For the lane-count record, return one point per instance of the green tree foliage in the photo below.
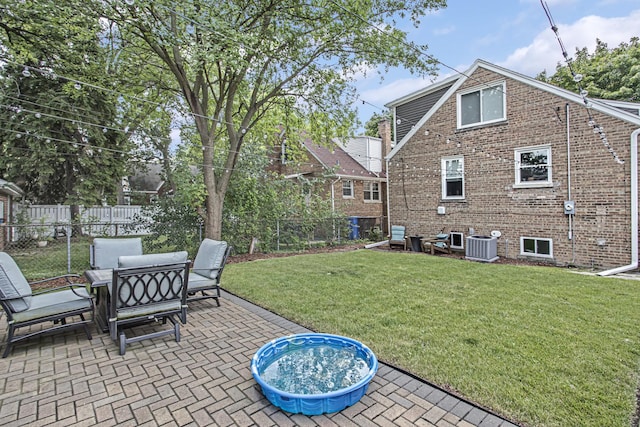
(255, 202)
(233, 62)
(607, 73)
(58, 139)
(371, 126)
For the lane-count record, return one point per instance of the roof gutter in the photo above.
(634, 210)
(11, 188)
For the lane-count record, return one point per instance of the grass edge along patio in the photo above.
(540, 345)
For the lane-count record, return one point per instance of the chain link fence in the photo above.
(54, 249)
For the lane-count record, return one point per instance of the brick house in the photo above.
(10, 193)
(349, 173)
(550, 174)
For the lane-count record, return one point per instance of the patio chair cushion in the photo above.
(209, 258)
(151, 259)
(107, 251)
(148, 310)
(397, 232)
(198, 282)
(54, 303)
(13, 285)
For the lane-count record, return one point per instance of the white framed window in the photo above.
(457, 240)
(533, 166)
(347, 189)
(371, 191)
(480, 106)
(453, 177)
(535, 246)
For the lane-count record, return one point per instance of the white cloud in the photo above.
(545, 52)
(444, 31)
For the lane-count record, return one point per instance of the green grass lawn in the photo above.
(539, 345)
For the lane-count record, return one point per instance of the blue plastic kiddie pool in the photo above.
(314, 373)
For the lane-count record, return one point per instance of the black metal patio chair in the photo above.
(57, 306)
(148, 288)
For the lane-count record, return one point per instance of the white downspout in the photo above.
(634, 210)
(570, 216)
(388, 205)
(333, 196)
(333, 206)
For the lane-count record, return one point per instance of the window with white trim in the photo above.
(457, 240)
(347, 188)
(453, 177)
(533, 166)
(482, 106)
(535, 246)
(371, 191)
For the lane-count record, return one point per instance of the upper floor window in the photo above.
(347, 188)
(481, 106)
(453, 177)
(533, 166)
(371, 191)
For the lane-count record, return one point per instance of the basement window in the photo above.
(534, 246)
(457, 240)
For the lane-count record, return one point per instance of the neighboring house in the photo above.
(143, 186)
(10, 193)
(491, 151)
(351, 175)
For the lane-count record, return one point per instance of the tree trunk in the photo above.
(214, 200)
(76, 224)
(213, 219)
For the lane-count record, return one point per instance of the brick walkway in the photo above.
(66, 380)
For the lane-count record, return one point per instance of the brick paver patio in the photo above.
(66, 380)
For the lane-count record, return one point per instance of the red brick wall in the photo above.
(599, 185)
(356, 206)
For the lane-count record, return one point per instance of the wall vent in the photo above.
(482, 248)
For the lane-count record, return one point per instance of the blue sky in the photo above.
(515, 34)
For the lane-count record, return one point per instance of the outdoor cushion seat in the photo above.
(25, 308)
(104, 252)
(398, 237)
(207, 270)
(144, 288)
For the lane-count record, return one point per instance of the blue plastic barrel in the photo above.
(354, 228)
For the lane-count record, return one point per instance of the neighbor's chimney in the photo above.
(384, 130)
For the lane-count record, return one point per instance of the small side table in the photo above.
(100, 280)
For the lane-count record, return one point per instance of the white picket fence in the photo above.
(96, 220)
(61, 214)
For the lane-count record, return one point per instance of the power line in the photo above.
(597, 129)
